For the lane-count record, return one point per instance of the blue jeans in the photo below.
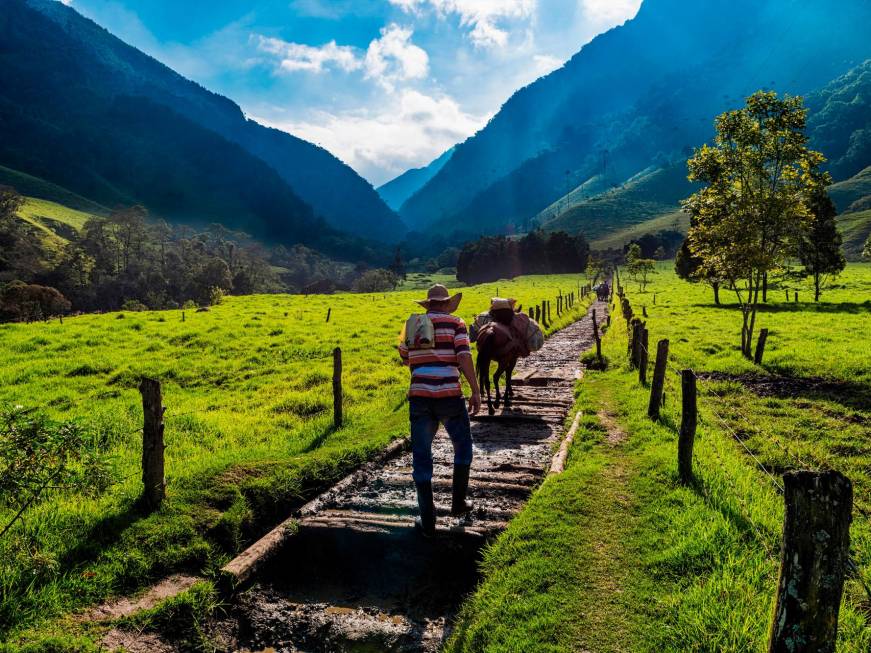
(425, 416)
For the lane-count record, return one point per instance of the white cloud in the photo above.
(389, 59)
(296, 56)
(394, 57)
(409, 131)
(484, 17)
(68, 3)
(610, 11)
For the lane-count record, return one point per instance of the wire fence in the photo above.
(795, 460)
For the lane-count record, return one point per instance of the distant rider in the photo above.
(436, 397)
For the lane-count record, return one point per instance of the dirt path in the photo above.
(356, 576)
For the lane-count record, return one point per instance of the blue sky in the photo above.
(385, 85)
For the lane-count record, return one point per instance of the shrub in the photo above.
(21, 301)
(133, 305)
(38, 457)
(216, 296)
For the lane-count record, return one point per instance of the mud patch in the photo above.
(849, 394)
(126, 606)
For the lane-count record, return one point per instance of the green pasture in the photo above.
(617, 555)
(247, 387)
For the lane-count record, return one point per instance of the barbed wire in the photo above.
(792, 458)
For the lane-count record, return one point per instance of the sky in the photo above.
(385, 85)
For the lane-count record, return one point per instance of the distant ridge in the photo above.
(397, 191)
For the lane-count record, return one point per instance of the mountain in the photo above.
(398, 190)
(639, 96)
(116, 126)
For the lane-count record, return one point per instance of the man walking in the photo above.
(436, 397)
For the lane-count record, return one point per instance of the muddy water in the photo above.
(356, 577)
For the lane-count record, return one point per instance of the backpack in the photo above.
(481, 320)
(418, 333)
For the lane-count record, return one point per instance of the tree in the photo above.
(644, 267)
(819, 246)
(398, 265)
(689, 268)
(759, 178)
(866, 251)
(20, 301)
(376, 281)
(567, 254)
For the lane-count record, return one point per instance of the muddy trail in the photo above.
(355, 576)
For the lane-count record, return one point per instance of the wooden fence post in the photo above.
(644, 310)
(329, 311)
(688, 422)
(760, 346)
(182, 316)
(337, 387)
(598, 339)
(153, 477)
(549, 318)
(658, 384)
(813, 561)
(643, 356)
(796, 296)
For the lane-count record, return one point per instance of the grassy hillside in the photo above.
(652, 194)
(617, 555)
(54, 223)
(40, 189)
(249, 430)
(847, 192)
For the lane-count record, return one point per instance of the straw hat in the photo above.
(500, 304)
(438, 294)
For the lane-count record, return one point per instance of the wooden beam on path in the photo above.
(243, 567)
(558, 465)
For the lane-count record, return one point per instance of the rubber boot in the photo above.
(426, 522)
(459, 505)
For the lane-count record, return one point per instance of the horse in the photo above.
(498, 341)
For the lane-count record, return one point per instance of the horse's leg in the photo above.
(509, 389)
(484, 379)
(496, 377)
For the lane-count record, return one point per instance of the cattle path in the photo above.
(355, 576)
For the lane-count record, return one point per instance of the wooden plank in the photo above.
(243, 567)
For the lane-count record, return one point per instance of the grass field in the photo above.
(247, 386)
(617, 555)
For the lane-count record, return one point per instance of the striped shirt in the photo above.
(434, 372)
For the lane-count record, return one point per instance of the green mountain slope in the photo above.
(853, 192)
(637, 96)
(648, 195)
(193, 156)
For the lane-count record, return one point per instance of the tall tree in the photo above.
(759, 178)
(689, 268)
(819, 246)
